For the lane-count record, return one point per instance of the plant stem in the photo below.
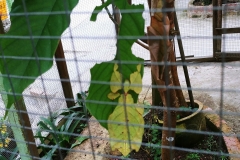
(109, 14)
(117, 21)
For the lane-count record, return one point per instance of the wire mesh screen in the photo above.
(117, 100)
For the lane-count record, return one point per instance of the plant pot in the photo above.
(185, 135)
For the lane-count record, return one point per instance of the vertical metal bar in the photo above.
(214, 24)
(183, 59)
(21, 127)
(64, 76)
(27, 129)
(219, 25)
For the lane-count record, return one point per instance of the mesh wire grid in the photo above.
(86, 43)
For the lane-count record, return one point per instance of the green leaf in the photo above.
(2, 158)
(47, 121)
(9, 4)
(69, 122)
(44, 126)
(43, 138)
(119, 131)
(64, 141)
(79, 141)
(97, 101)
(70, 110)
(50, 154)
(98, 9)
(131, 27)
(74, 125)
(25, 54)
(44, 123)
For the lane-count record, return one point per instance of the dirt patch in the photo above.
(151, 148)
(97, 143)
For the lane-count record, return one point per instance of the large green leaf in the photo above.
(27, 49)
(98, 103)
(132, 25)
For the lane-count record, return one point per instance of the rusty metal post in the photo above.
(179, 39)
(27, 129)
(214, 24)
(22, 131)
(64, 76)
(217, 23)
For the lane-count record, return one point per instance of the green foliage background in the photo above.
(27, 50)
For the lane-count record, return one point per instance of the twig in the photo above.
(109, 14)
(142, 44)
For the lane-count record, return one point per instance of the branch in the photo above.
(142, 44)
(109, 14)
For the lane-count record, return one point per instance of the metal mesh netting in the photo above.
(86, 43)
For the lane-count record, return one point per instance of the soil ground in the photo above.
(208, 143)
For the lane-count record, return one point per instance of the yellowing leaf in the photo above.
(140, 109)
(113, 96)
(128, 100)
(120, 134)
(115, 67)
(136, 82)
(126, 86)
(139, 67)
(116, 80)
